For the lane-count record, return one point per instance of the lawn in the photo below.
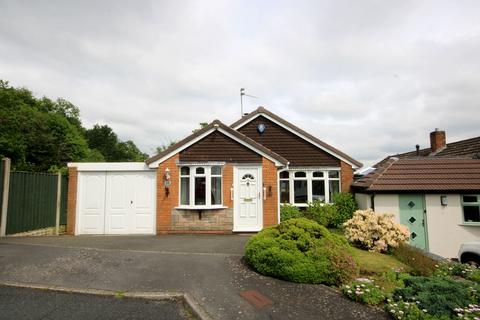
(382, 268)
(372, 263)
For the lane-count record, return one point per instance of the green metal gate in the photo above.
(2, 171)
(32, 201)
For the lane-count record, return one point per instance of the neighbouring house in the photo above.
(220, 179)
(435, 192)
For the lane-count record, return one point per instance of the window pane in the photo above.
(300, 174)
(200, 170)
(284, 192)
(334, 187)
(185, 171)
(333, 174)
(469, 198)
(284, 175)
(216, 170)
(471, 213)
(216, 190)
(200, 191)
(300, 191)
(318, 174)
(185, 191)
(318, 190)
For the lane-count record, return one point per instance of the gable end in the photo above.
(218, 147)
(296, 150)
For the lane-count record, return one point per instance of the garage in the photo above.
(115, 198)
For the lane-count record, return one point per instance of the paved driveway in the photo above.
(208, 267)
(28, 304)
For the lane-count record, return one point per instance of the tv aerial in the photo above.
(242, 93)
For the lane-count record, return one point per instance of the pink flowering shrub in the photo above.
(376, 232)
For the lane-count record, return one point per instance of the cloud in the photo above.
(371, 77)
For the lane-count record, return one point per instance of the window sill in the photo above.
(470, 224)
(201, 207)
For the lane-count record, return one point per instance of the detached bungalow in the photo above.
(221, 179)
(435, 192)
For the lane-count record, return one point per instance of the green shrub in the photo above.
(364, 292)
(455, 269)
(323, 213)
(440, 296)
(416, 259)
(301, 250)
(472, 312)
(402, 310)
(287, 211)
(345, 205)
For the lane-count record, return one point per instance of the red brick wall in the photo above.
(270, 204)
(347, 176)
(72, 200)
(227, 185)
(165, 203)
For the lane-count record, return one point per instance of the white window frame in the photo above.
(284, 179)
(208, 187)
(473, 204)
(309, 172)
(292, 185)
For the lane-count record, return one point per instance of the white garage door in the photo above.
(116, 203)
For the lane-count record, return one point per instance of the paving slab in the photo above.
(209, 268)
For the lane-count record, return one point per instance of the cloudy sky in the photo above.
(369, 77)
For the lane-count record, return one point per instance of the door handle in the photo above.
(131, 201)
(264, 193)
(231, 193)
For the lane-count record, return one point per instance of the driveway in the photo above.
(21, 303)
(207, 267)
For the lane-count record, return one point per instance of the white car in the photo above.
(470, 253)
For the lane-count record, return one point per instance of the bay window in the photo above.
(200, 186)
(333, 183)
(318, 186)
(284, 187)
(299, 187)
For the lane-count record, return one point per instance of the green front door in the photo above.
(412, 215)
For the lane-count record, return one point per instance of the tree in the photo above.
(40, 134)
(128, 151)
(164, 147)
(202, 125)
(33, 134)
(105, 140)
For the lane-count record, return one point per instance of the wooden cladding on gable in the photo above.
(218, 147)
(290, 146)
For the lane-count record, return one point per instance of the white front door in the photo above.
(117, 203)
(248, 215)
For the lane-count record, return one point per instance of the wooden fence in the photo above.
(34, 200)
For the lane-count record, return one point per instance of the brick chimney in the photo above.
(437, 140)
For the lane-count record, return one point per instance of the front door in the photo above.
(248, 214)
(412, 215)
